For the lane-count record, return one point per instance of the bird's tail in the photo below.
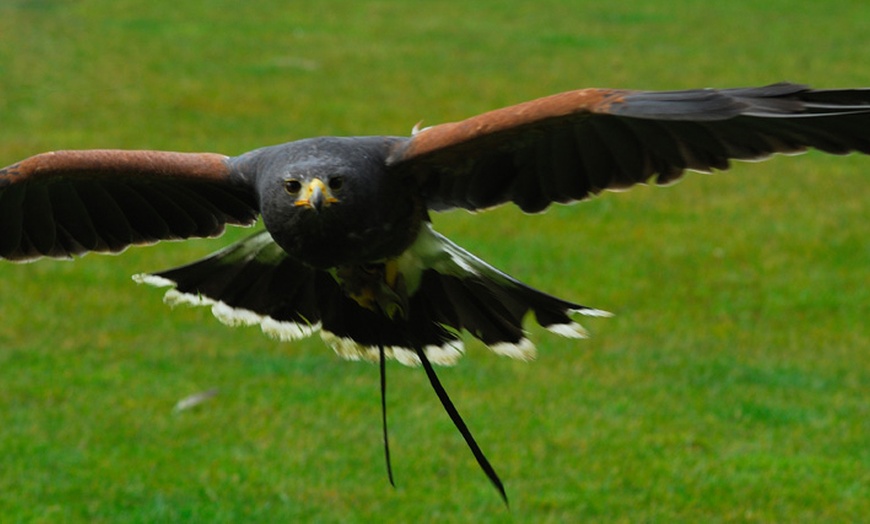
(459, 290)
(448, 290)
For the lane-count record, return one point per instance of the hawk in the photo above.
(348, 248)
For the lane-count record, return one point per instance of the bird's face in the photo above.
(312, 192)
(331, 202)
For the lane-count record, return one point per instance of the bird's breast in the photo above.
(327, 240)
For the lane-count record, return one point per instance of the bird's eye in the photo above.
(335, 183)
(292, 186)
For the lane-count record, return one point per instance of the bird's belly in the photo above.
(349, 246)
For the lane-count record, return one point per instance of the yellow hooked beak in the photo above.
(315, 195)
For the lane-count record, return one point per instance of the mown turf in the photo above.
(732, 386)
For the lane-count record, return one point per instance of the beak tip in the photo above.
(316, 199)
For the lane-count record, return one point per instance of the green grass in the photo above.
(732, 386)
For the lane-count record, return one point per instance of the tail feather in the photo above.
(250, 282)
(486, 302)
(254, 282)
(481, 312)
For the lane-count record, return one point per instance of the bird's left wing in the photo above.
(67, 203)
(573, 145)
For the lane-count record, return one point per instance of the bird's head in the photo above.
(331, 201)
(306, 180)
(313, 192)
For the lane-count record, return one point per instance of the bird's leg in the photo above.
(377, 287)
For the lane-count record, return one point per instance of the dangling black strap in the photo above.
(460, 424)
(383, 368)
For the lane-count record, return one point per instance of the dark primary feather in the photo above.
(572, 145)
(560, 148)
(71, 202)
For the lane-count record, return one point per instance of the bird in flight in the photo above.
(348, 248)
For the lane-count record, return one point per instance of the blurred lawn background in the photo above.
(732, 386)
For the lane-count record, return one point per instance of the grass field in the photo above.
(733, 384)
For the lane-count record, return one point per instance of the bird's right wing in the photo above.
(67, 203)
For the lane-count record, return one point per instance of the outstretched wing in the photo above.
(572, 145)
(67, 203)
